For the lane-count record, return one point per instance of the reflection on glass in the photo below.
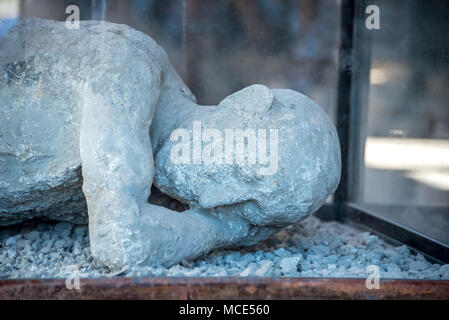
(406, 175)
(9, 9)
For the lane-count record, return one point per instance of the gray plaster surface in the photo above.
(76, 115)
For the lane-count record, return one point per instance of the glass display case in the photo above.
(393, 119)
(379, 69)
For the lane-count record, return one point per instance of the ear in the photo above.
(255, 99)
(215, 195)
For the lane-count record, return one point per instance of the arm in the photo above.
(117, 166)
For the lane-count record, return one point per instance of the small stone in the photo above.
(318, 250)
(63, 228)
(391, 268)
(249, 271)
(323, 238)
(186, 264)
(289, 266)
(246, 272)
(230, 258)
(332, 259)
(192, 273)
(444, 271)
(420, 257)
(32, 236)
(218, 260)
(265, 268)
(372, 240)
(80, 231)
(36, 246)
(304, 244)
(245, 260)
(444, 268)
(221, 272)
(403, 251)
(269, 256)
(76, 248)
(418, 265)
(346, 249)
(346, 260)
(11, 242)
(158, 272)
(22, 244)
(46, 236)
(68, 261)
(63, 243)
(11, 254)
(303, 266)
(365, 236)
(313, 258)
(281, 252)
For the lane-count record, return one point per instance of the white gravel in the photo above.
(308, 249)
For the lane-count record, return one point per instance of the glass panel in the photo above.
(406, 176)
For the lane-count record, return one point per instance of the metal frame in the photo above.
(224, 288)
(353, 84)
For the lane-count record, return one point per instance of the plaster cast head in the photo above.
(288, 166)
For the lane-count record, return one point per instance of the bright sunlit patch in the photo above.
(406, 154)
(377, 76)
(434, 179)
(9, 9)
(425, 160)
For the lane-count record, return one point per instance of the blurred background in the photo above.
(219, 47)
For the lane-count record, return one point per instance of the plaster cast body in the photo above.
(83, 100)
